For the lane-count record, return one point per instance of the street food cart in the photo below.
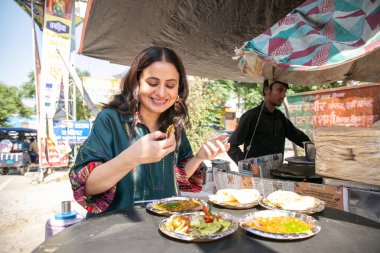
(137, 229)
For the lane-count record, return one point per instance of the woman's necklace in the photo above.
(154, 186)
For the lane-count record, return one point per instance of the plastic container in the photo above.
(59, 221)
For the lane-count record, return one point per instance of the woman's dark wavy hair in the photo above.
(127, 101)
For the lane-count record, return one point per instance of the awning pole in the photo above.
(286, 106)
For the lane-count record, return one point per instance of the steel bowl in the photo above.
(309, 150)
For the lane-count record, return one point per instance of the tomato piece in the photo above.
(204, 209)
(208, 218)
(187, 225)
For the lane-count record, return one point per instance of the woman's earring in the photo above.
(177, 98)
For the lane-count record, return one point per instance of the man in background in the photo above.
(263, 129)
(33, 151)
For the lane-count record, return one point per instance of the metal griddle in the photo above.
(297, 169)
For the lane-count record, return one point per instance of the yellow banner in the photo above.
(38, 11)
(56, 41)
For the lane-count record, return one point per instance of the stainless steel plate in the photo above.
(275, 213)
(151, 208)
(265, 203)
(204, 238)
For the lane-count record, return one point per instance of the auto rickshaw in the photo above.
(14, 144)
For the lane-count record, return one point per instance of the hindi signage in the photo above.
(56, 41)
(354, 106)
(73, 132)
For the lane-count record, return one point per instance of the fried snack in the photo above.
(226, 144)
(169, 130)
(178, 205)
(246, 196)
(289, 200)
(235, 197)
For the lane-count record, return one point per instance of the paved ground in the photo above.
(26, 205)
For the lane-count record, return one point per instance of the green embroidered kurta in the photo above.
(110, 135)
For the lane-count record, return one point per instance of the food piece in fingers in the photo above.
(169, 130)
(226, 144)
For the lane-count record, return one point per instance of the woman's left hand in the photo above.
(210, 149)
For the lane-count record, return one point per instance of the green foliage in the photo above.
(206, 99)
(82, 111)
(10, 103)
(298, 89)
(82, 73)
(28, 88)
(249, 94)
(217, 93)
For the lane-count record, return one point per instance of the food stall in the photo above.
(329, 227)
(321, 52)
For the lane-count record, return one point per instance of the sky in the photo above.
(16, 52)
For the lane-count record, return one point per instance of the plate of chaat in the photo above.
(169, 206)
(199, 226)
(281, 225)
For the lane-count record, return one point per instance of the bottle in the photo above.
(59, 221)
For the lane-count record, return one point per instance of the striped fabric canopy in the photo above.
(319, 42)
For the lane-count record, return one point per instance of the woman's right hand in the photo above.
(151, 148)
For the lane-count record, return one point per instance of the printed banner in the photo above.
(55, 46)
(354, 106)
(73, 132)
(38, 10)
(80, 10)
(101, 90)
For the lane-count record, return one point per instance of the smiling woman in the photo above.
(158, 91)
(129, 157)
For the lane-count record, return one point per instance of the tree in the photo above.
(10, 103)
(199, 115)
(217, 93)
(27, 91)
(82, 111)
(206, 99)
(248, 94)
(298, 89)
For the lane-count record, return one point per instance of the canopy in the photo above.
(204, 33)
(319, 42)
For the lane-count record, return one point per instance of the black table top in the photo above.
(136, 230)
